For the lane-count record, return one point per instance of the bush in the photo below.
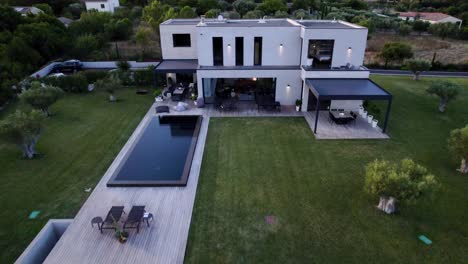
(144, 77)
(76, 83)
(93, 76)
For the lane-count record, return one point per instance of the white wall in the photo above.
(109, 5)
(169, 52)
(272, 37)
(356, 38)
(283, 78)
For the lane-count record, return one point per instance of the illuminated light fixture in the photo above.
(254, 78)
(281, 45)
(288, 86)
(229, 45)
(349, 48)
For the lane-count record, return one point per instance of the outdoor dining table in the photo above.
(341, 117)
(178, 93)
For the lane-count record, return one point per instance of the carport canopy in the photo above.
(348, 89)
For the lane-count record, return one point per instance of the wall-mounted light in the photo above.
(288, 86)
(254, 78)
(281, 45)
(229, 45)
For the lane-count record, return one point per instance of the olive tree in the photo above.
(458, 145)
(445, 90)
(417, 67)
(111, 85)
(397, 183)
(395, 52)
(24, 129)
(41, 96)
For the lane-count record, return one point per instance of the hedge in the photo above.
(76, 83)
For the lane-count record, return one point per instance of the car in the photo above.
(69, 66)
(59, 74)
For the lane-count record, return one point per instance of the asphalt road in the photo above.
(428, 73)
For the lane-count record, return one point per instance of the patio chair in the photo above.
(341, 110)
(114, 215)
(135, 216)
(354, 115)
(333, 110)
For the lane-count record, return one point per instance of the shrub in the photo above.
(458, 146)
(404, 182)
(144, 77)
(76, 83)
(93, 76)
(41, 97)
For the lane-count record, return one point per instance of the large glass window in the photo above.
(181, 40)
(218, 51)
(321, 52)
(258, 51)
(239, 51)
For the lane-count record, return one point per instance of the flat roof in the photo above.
(347, 89)
(279, 22)
(167, 66)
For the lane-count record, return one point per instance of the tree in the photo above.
(303, 4)
(142, 37)
(9, 18)
(420, 26)
(204, 5)
(269, 7)
(416, 67)
(187, 12)
(244, 6)
(155, 13)
(444, 30)
(123, 66)
(397, 183)
(445, 90)
(254, 14)
(404, 29)
(41, 96)
(120, 29)
(85, 45)
(110, 85)
(395, 52)
(212, 13)
(281, 14)
(45, 7)
(458, 146)
(24, 129)
(357, 4)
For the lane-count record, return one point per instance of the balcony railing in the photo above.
(342, 68)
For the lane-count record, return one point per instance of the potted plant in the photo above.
(157, 95)
(119, 233)
(298, 105)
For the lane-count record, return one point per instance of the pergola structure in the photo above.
(176, 66)
(348, 89)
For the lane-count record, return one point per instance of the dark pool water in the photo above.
(161, 154)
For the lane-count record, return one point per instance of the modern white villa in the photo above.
(316, 61)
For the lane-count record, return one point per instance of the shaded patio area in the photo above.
(360, 129)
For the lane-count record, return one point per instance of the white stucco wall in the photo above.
(356, 38)
(272, 38)
(169, 52)
(109, 5)
(283, 77)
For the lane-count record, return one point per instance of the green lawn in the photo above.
(78, 144)
(254, 167)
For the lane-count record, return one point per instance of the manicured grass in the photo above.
(255, 167)
(78, 144)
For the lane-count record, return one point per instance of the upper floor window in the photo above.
(102, 6)
(218, 51)
(258, 51)
(321, 52)
(181, 40)
(239, 51)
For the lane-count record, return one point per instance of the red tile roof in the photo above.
(425, 15)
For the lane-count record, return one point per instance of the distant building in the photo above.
(430, 17)
(102, 5)
(27, 10)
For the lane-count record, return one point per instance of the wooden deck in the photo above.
(163, 242)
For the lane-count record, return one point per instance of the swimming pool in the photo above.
(162, 154)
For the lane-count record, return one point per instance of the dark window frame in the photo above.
(217, 50)
(239, 51)
(258, 53)
(103, 6)
(178, 40)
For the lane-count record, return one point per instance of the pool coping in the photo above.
(167, 183)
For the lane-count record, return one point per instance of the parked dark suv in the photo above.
(69, 66)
